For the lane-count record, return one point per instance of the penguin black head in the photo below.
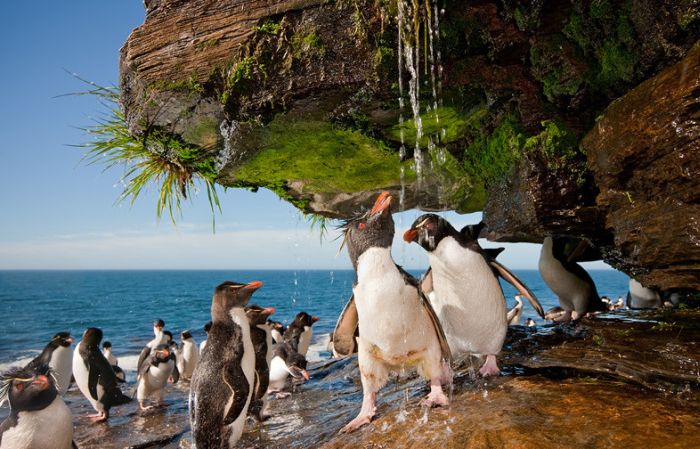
(62, 339)
(229, 295)
(107, 345)
(374, 228)
(276, 325)
(159, 324)
(258, 315)
(207, 326)
(296, 363)
(162, 353)
(92, 336)
(28, 389)
(428, 230)
(185, 335)
(304, 319)
(168, 336)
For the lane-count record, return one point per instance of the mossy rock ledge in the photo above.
(571, 118)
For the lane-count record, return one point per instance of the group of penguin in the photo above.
(393, 321)
(40, 419)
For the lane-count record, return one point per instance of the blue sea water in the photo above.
(34, 305)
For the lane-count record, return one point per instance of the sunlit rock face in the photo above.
(302, 97)
(645, 155)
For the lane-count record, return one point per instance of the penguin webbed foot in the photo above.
(369, 408)
(98, 417)
(282, 394)
(490, 367)
(436, 397)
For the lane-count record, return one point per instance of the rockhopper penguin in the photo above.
(285, 361)
(223, 382)
(58, 355)
(95, 376)
(188, 355)
(153, 375)
(261, 336)
(39, 419)
(299, 333)
(466, 295)
(398, 328)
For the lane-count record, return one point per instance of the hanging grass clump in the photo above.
(158, 158)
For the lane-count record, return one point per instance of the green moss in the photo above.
(490, 157)
(616, 64)
(269, 27)
(207, 44)
(458, 186)
(577, 32)
(449, 119)
(242, 70)
(381, 54)
(556, 143)
(326, 158)
(189, 84)
(555, 68)
(600, 9)
(204, 134)
(307, 44)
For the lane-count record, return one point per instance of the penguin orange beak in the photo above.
(42, 381)
(305, 374)
(268, 311)
(254, 285)
(382, 203)
(314, 319)
(410, 235)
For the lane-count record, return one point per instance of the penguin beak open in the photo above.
(381, 204)
(410, 235)
(41, 381)
(254, 285)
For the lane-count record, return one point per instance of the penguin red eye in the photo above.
(430, 226)
(20, 387)
(361, 226)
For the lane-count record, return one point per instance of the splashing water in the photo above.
(227, 130)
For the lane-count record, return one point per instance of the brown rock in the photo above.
(645, 156)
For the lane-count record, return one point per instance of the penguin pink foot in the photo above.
(98, 417)
(365, 416)
(490, 367)
(436, 397)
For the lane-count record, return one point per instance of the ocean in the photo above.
(34, 305)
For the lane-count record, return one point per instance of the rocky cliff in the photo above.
(572, 118)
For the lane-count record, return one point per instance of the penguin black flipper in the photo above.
(512, 279)
(234, 375)
(73, 445)
(437, 326)
(9, 422)
(492, 253)
(143, 357)
(93, 378)
(176, 373)
(346, 329)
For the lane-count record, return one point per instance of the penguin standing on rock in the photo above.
(154, 374)
(39, 419)
(107, 352)
(188, 355)
(568, 280)
(159, 337)
(397, 326)
(299, 333)
(514, 314)
(223, 382)
(95, 376)
(203, 344)
(466, 294)
(285, 361)
(278, 331)
(260, 335)
(58, 355)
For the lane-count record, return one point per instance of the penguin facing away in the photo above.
(203, 344)
(278, 331)
(107, 352)
(397, 326)
(39, 419)
(466, 295)
(154, 374)
(641, 297)
(260, 335)
(299, 333)
(222, 385)
(188, 355)
(58, 355)
(568, 280)
(95, 377)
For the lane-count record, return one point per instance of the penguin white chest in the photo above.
(51, 427)
(572, 291)
(190, 357)
(62, 365)
(389, 310)
(467, 299)
(81, 374)
(248, 366)
(278, 373)
(305, 340)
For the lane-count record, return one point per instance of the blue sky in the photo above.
(58, 213)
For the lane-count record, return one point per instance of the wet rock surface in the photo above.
(623, 379)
